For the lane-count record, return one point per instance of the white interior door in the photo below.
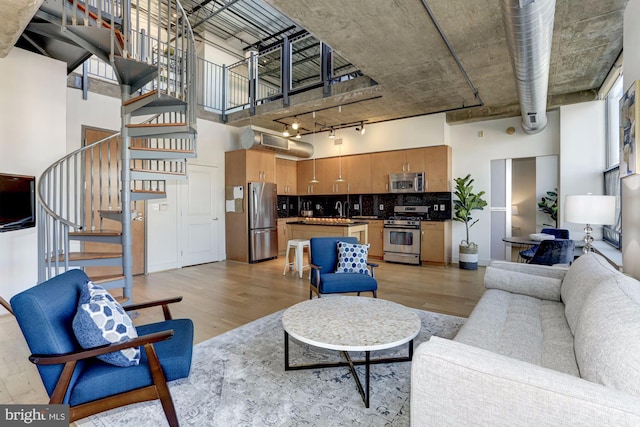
(202, 234)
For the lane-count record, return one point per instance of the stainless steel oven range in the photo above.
(402, 234)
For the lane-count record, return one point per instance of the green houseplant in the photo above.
(466, 202)
(549, 205)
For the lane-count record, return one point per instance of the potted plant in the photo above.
(466, 202)
(549, 205)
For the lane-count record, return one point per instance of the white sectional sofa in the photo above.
(543, 346)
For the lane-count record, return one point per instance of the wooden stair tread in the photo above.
(83, 256)
(106, 278)
(149, 191)
(157, 171)
(81, 7)
(138, 98)
(96, 233)
(152, 125)
(163, 150)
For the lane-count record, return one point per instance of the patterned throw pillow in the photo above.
(352, 258)
(101, 320)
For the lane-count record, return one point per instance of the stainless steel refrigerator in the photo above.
(263, 213)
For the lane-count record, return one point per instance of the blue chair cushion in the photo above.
(346, 282)
(352, 258)
(101, 320)
(324, 253)
(528, 253)
(98, 379)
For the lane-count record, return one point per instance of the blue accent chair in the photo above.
(74, 376)
(324, 279)
(559, 233)
(558, 251)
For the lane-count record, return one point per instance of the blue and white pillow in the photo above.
(352, 258)
(101, 320)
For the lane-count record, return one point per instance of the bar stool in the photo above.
(298, 245)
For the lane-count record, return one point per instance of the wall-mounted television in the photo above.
(17, 202)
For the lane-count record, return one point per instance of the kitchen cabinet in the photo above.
(376, 238)
(334, 168)
(305, 173)
(410, 160)
(438, 168)
(286, 177)
(242, 167)
(283, 234)
(435, 242)
(379, 172)
(360, 173)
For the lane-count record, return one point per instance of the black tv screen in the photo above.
(17, 202)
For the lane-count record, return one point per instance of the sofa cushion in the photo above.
(584, 274)
(347, 282)
(522, 327)
(607, 335)
(520, 283)
(101, 320)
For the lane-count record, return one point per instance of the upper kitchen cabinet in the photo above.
(411, 160)
(286, 177)
(438, 168)
(261, 166)
(336, 175)
(379, 172)
(360, 172)
(307, 171)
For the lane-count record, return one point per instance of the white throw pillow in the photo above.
(352, 258)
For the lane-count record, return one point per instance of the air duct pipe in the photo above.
(529, 28)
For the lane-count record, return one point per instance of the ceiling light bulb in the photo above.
(362, 129)
(298, 136)
(285, 132)
(332, 134)
(295, 125)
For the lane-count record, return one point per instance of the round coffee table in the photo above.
(349, 323)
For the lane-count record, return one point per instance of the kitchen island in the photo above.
(326, 227)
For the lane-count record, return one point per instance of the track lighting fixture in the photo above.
(296, 124)
(332, 133)
(298, 136)
(361, 128)
(285, 132)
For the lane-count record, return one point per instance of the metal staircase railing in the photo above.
(105, 180)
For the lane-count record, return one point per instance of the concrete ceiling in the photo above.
(396, 44)
(15, 15)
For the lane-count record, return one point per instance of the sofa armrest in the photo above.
(556, 272)
(453, 383)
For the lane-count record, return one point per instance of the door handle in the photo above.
(215, 219)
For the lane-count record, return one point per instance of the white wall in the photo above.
(582, 157)
(32, 136)
(631, 184)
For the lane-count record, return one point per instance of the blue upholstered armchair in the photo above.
(74, 376)
(559, 233)
(324, 266)
(558, 251)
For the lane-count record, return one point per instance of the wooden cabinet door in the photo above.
(435, 242)
(375, 238)
(415, 160)
(360, 172)
(305, 173)
(397, 161)
(379, 172)
(261, 166)
(286, 179)
(334, 168)
(282, 236)
(438, 168)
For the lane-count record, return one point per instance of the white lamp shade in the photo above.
(590, 209)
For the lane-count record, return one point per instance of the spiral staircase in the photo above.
(90, 197)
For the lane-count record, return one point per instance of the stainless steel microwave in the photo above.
(408, 182)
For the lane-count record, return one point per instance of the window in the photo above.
(613, 123)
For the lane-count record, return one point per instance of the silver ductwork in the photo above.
(255, 138)
(529, 28)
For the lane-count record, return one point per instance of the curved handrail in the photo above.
(40, 193)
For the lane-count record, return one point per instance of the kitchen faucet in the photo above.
(339, 207)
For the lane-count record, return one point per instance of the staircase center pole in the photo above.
(127, 257)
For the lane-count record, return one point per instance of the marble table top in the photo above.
(349, 323)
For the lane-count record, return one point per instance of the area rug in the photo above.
(238, 379)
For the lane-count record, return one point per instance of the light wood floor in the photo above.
(221, 296)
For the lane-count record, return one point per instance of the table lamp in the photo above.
(590, 209)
